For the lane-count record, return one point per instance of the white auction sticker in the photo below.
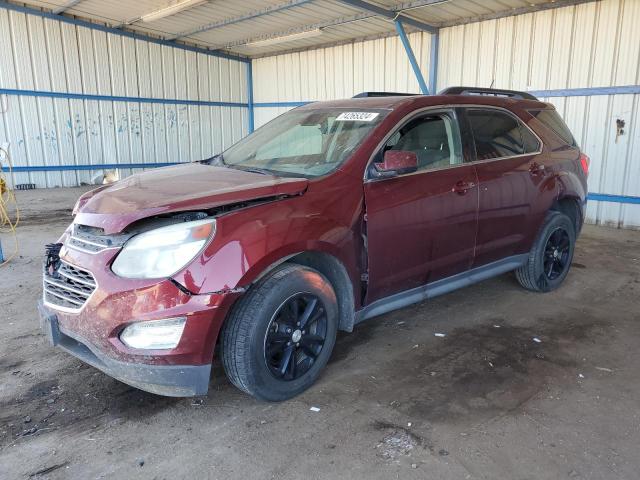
(357, 117)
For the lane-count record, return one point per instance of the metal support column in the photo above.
(412, 58)
(433, 62)
(250, 96)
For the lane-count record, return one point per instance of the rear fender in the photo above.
(572, 186)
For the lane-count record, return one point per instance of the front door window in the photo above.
(433, 138)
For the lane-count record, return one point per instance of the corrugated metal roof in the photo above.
(233, 26)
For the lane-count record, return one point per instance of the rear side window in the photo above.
(498, 134)
(554, 121)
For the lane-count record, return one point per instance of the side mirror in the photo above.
(396, 162)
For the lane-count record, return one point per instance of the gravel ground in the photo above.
(486, 401)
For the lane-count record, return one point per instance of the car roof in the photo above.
(419, 101)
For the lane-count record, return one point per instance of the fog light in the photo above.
(154, 334)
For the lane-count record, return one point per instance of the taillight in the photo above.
(584, 163)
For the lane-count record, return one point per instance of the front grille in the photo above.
(69, 287)
(93, 240)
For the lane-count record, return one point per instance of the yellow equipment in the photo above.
(9, 213)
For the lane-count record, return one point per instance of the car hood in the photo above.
(194, 186)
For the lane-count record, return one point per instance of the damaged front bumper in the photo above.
(168, 380)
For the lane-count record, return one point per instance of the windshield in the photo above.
(308, 143)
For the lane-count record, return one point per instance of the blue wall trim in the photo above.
(412, 58)
(598, 197)
(588, 92)
(280, 104)
(100, 166)
(603, 197)
(112, 98)
(572, 92)
(116, 31)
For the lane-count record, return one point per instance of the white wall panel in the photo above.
(594, 44)
(589, 45)
(51, 56)
(338, 72)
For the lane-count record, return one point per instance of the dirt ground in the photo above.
(487, 401)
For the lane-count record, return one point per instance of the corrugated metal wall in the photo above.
(589, 45)
(42, 55)
(337, 72)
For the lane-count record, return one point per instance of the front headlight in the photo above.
(154, 334)
(162, 252)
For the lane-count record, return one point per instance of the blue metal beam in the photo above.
(433, 62)
(412, 58)
(383, 12)
(66, 6)
(115, 31)
(112, 98)
(250, 96)
(587, 92)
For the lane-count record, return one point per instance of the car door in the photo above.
(511, 178)
(421, 226)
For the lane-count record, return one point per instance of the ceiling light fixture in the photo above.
(170, 10)
(285, 38)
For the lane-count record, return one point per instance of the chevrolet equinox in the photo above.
(330, 214)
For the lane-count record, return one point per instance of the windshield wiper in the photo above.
(262, 171)
(216, 161)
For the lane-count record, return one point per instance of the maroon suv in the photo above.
(330, 214)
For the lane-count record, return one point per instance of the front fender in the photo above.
(248, 242)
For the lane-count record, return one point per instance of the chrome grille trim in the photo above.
(92, 240)
(69, 288)
(70, 277)
(63, 297)
(89, 242)
(65, 287)
(77, 274)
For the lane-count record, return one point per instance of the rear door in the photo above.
(511, 175)
(421, 226)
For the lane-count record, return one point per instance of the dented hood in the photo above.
(193, 186)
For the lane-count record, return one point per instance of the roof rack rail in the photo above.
(383, 94)
(491, 92)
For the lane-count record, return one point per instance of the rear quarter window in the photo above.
(498, 134)
(553, 121)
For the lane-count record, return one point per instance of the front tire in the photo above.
(551, 256)
(280, 335)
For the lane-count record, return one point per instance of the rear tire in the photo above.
(551, 255)
(280, 335)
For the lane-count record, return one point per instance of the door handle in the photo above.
(462, 187)
(536, 169)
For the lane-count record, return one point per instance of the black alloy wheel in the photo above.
(295, 336)
(549, 259)
(556, 253)
(279, 336)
